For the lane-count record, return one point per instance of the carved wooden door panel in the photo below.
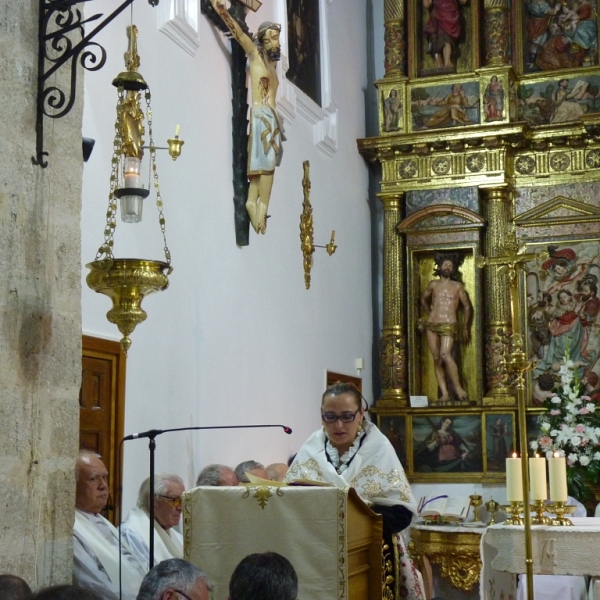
(101, 404)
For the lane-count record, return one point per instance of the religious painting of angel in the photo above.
(559, 34)
(499, 438)
(562, 315)
(447, 443)
(444, 106)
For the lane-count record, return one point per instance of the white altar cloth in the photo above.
(555, 551)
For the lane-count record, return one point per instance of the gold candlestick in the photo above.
(514, 510)
(476, 502)
(539, 507)
(560, 509)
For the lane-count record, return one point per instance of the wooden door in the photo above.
(102, 404)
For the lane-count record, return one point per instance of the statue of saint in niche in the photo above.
(441, 301)
(266, 133)
(442, 30)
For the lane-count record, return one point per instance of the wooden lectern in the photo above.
(329, 534)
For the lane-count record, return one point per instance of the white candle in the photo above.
(132, 180)
(537, 478)
(177, 131)
(514, 479)
(557, 468)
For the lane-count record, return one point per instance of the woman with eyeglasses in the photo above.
(168, 507)
(351, 452)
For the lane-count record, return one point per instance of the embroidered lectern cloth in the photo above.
(307, 525)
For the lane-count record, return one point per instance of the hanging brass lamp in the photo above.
(127, 281)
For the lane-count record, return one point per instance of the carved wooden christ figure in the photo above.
(266, 133)
(441, 301)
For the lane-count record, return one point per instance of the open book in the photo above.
(447, 507)
(254, 480)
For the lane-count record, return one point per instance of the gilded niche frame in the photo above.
(477, 442)
(422, 381)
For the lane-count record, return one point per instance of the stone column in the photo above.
(497, 207)
(395, 42)
(393, 369)
(40, 304)
(497, 32)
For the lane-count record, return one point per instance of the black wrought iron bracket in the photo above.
(58, 19)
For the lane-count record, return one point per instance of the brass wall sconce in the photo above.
(307, 229)
(127, 281)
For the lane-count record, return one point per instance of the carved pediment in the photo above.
(559, 211)
(441, 217)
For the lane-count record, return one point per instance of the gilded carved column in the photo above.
(393, 370)
(497, 33)
(395, 42)
(497, 293)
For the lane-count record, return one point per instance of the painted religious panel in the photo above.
(499, 440)
(443, 106)
(392, 109)
(394, 428)
(559, 100)
(445, 37)
(563, 315)
(304, 47)
(559, 34)
(447, 443)
(464, 197)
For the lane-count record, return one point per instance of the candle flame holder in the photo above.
(514, 509)
(560, 509)
(539, 507)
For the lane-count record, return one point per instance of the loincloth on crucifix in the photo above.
(265, 148)
(444, 329)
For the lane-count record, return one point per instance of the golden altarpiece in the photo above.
(489, 141)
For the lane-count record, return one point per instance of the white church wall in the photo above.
(236, 339)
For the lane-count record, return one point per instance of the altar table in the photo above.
(555, 551)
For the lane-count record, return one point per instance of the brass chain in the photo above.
(159, 201)
(111, 214)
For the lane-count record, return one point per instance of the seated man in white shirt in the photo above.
(96, 547)
(168, 543)
(175, 579)
(557, 587)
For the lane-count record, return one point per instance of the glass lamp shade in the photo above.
(132, 203)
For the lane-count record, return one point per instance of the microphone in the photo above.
(144, 434)
(152, 433)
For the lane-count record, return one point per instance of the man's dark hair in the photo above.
(13, 587)
(174, 573)
(65, 592)
(456, 260)
(267, 576)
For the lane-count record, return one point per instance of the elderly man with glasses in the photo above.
(101, 563)
(135, 530)
(175, 579)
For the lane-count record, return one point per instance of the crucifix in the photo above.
(257, 153)
(510, 263)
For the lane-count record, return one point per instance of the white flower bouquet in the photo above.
(571, 428)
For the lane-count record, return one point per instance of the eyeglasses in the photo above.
(179, 591)
(174, 502)
(346, 417)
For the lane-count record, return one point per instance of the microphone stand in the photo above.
(151, 434)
